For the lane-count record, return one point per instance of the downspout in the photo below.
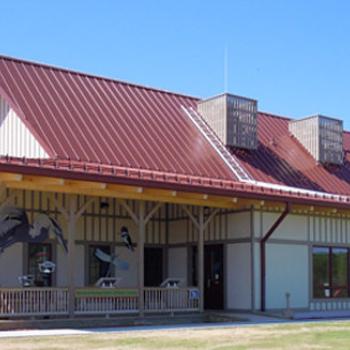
(263, 241)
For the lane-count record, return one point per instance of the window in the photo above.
(38, 253)
(330, 272)
(97, 268)
(339, 269)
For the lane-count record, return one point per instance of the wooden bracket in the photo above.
(129, 210)
(196, 222)
(152, 212)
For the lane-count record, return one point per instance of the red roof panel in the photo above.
(82, 117)
(281, 159)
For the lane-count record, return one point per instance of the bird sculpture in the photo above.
(124, 232)
(15, 227)
(112, 260)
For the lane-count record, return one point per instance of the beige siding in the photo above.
(177, 263)
(238, 276)
(62, 266)
(294, 227)
(16, 139)
(11, 266)
(287, 272)
(239, 225)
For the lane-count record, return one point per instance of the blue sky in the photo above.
(293, 55)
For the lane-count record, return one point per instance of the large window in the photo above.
(330, 272)
(37, 254)
(97, 267)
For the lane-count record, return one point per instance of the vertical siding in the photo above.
(15, 138)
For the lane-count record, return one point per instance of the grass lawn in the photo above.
(330, 335)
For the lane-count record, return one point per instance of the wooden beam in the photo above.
(141, 256)
(2, 192)
(71, 257)
(129, 211)
(86, 185)
(81, 210)
(89, 188)
(200, 249)
(211, 216)
(152, 212)
(147, 195)
(191, 216)
(4, 177)
(44, 180)
(63, 211)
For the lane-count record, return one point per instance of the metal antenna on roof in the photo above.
(226, 69)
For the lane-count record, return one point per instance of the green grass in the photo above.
(325, 335)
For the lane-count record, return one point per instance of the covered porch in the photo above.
(91, 215)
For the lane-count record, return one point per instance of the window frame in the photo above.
(330, 272)
(52, 278)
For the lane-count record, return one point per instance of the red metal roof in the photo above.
(79, 170)
(281, 159)
(87, 118)
(105, 130)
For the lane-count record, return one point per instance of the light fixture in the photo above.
(104, 205)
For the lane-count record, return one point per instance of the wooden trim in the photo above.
(152, 212)
(191, 216)
(141, 253)
(129, 210)
(252, 260)
(201, 258)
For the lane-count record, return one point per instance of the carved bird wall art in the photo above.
(15, 227)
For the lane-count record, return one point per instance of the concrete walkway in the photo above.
(253, 320)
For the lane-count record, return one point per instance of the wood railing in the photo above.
(171, 299)
(15, 302)
(33, 301)
(106, 301)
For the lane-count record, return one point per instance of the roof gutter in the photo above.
(263, 241)
(242, 190)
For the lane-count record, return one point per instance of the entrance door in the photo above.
(153, 267)
(214, 277)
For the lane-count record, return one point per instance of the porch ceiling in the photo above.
(101, 189)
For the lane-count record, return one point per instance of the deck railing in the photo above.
(106, 301)
(16, 302)
(171, 299)
(33, 301)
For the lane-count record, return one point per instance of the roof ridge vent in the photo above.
(321, 136)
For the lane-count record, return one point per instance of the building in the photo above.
(248, 210)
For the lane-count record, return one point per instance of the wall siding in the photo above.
(238, 276)
(16, 140)
(286, 258)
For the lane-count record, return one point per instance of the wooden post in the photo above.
(71, 257)
(141, 221)
(201, 226)
(71, 216)
(201, 258)
(141, 246)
